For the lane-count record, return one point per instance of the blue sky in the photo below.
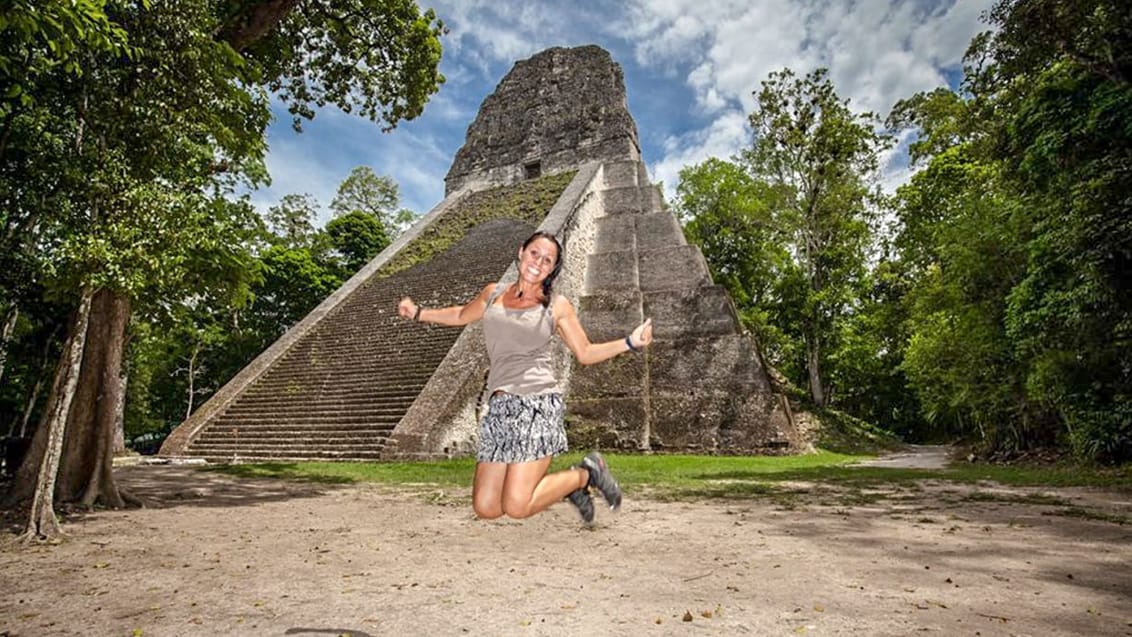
(690, 70)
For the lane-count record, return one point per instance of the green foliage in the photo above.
(291, 221)
(866, 368)
(357, 237)
(1018, 235)
(379, 58)
(845, 434)
(367, 192)
(50, 36)
(819, 159)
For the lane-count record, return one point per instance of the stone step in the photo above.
(625, 174)
(368, 389)
(327, 407)
(610, 316)
(286, 430)
(288, 455)
(255, 445)
(301, 418)
(318, 377)
(672, 268)
(273, 388)
(261, 437)
(347, 344)
(319, 406)
(612, 272)
(689, 313)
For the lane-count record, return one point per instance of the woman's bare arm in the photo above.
(587, 353)
(455, 315)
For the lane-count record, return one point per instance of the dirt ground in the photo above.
(214, 555)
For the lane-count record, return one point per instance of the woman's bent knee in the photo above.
(486, 512)
(517, 510)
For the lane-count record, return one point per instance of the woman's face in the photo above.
(536, 261)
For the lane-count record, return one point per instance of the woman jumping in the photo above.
(524, 427)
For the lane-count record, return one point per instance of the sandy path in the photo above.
(222, 556)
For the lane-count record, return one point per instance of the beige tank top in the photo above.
(520, 346)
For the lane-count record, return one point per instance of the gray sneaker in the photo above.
(581, 499)
(602, 479)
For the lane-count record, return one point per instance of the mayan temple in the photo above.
(553, 148)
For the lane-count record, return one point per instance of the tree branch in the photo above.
(254, 22)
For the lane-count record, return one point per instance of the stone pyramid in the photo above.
(553, 147)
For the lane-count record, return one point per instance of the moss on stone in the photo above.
(528, 201)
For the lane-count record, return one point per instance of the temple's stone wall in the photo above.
(553, 112)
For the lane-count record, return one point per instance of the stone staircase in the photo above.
(340, 390)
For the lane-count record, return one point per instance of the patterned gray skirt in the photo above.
(522, 428)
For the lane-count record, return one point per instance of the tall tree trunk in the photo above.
(192, 379)
(6, 336)
(813, 368)
(44, 368)
(42, 523)
(86, 470)
(29, 409)
(85, 465)
(120, 417)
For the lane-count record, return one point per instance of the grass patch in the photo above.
(528, 201)
(686, 477)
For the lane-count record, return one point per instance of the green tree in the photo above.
(820, 160)
(376, 195)
(1061, 75)
(357, 237)
(291, 221)
(1018, 233)
(114, 173)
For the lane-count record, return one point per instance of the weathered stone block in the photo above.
(619, 377)
(612, 271)
(621, 174)
(672, 268)
(607, 423)
(698, 312)
(727, 363)
(715, 422)
(658, 231)
(652, 200)
(608, 316)
(622, 201)
(615, 234)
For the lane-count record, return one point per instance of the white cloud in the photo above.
(726, 135)
(876, 52)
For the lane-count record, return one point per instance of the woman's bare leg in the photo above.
(528, 489)
(487, 489)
